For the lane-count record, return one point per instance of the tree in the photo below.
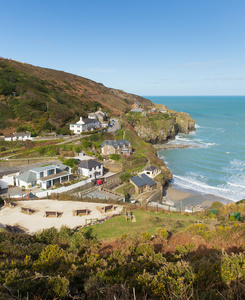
(71, 162)
(125, 176)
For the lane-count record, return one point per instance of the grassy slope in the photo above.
(145, 222)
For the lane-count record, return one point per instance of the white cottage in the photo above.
(86, 124)
(18, 136)
(90, 168)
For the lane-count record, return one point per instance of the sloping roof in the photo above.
(148, 180)
(53, 176)
(9, 135)
(27, 176)
(88, 164)
(89, 121)
(150, 168)
(138, 181)
(120, 143)
(62, 166)
(4, 172)
(143, 180)
(137, 110)
(44, 168)
(27, 133)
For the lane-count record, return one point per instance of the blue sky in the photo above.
(158, 47)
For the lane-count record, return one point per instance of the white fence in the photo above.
(62, 189)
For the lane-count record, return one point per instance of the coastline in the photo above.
(191, 200)
(173, 146)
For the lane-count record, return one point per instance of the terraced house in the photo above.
(85, 124)
(123, 147)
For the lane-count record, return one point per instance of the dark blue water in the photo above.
(217, 166)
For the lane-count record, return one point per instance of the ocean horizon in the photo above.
(215, 164)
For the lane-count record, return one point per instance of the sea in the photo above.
(215, 162)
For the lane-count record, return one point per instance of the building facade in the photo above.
(90, 168)
(45, 177)
(18, 136)
(123, 147)
(85, 124)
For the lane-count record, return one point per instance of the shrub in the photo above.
(124, 177)
(115, 157)
(162, 233)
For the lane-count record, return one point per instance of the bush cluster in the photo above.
(71, 264)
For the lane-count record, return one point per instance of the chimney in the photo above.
(81, 118)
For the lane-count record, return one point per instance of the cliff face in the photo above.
(160, 128)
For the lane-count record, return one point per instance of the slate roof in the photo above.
(137, 110)
(27, 176)
(4, 172)
(120, 143)
(150, 168)
(88, 164)
(138, 181)
(22, 133)
(143, 180)
(44, 168)
(148, 180)
(89, 121)
(53, 176)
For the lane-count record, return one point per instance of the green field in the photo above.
(145, 222)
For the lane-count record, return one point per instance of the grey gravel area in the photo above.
(100, 195)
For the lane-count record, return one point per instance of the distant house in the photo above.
(45, 176)
(99, 115)
(86, 124)
(143, 184)
(18, 136)
(136, 105)
(137, 110)
(152, 171)
(90, 168)
(116, 147)
(152, 111)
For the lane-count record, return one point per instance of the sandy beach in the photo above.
(175, 195)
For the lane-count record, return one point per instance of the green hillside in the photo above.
(39, 99)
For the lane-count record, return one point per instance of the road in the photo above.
(115, 125)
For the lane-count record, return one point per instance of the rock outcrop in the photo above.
(161, 128)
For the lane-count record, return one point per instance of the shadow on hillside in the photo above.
(213, 279)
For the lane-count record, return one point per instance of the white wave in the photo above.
(228, 191)
(237, 162)
(199, 126)
(236, 185)
(227, 152)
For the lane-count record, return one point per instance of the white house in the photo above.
(18, 136)
(90, 168)
(45, 176)
(85, 125)
(152, 171)
(10, 179)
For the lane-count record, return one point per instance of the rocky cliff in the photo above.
(159, 128)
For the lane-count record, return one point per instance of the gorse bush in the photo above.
(69, 264)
